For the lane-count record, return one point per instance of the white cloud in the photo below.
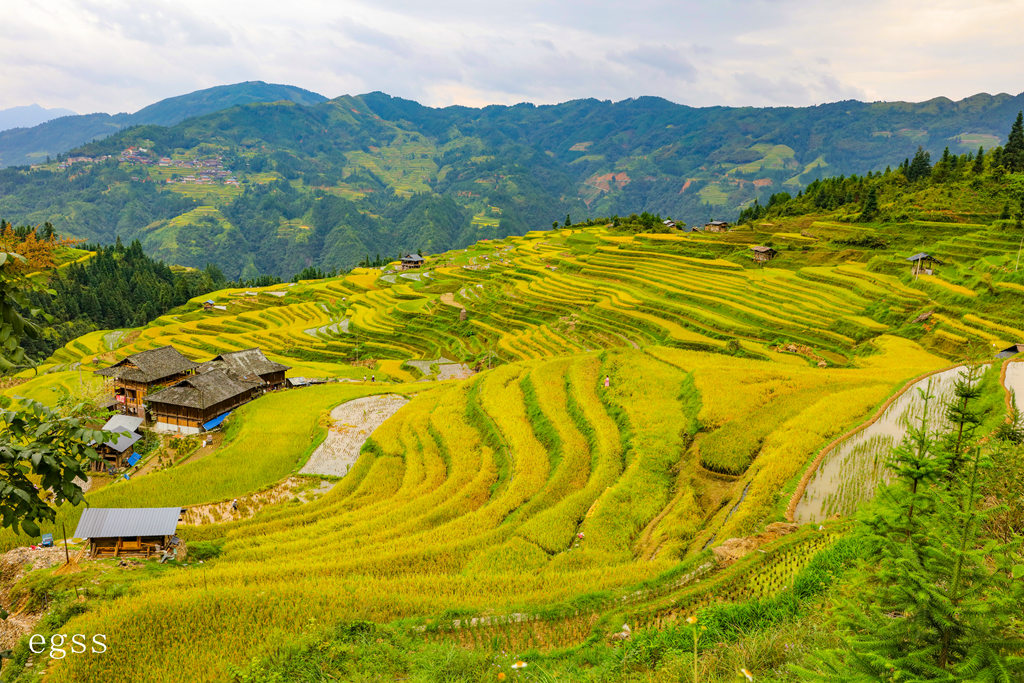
(119, 55)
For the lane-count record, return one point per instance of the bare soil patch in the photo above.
(302, 489)
(351, 425)
(13, 565)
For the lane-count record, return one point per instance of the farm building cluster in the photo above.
(178, 395)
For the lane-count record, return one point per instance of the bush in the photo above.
(206, 550)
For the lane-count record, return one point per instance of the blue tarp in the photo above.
(216, 421)
(134, 458)
(47, 541)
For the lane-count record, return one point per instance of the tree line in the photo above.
(861, 194)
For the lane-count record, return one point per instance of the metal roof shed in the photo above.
(118, 532)
(1011, 351)
(114, 522)
(120, 424)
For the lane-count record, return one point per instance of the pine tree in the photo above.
(979, 162)
(938, 602)
(870, 210)
(1013, 152)
(920, 166)
(944, 169)
(962, 416)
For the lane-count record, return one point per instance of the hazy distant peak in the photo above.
(29, 115)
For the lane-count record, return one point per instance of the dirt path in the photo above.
(303, 489)
(13, 565)
(352, 424)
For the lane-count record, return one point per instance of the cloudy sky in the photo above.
(120, 55)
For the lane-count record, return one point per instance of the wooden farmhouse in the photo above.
(200, 401)
(128, 532)
(117, 452)
(251, 365)
(413, 261)
(716, 226)
(763, 254)
(182, 396)
(137, 375)
(923, 264)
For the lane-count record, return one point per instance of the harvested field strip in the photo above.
(352, 423)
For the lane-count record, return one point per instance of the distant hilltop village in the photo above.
(205, 171)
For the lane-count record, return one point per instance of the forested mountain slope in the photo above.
(273, 188)
(30, 145)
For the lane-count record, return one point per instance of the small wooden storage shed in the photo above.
(1011, 351)
(762, 253)
(118, 451)
(923, 264)
(128, 532)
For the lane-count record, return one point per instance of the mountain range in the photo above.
(296, 181)
(29, 115)
(65, 131)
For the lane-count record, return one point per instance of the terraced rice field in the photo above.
(526, 486)
(850, 473)
(540, 298)
(1015, 383)
(634, 405)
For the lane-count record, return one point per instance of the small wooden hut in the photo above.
(137, 375)
(763, 254)
(128, 532)
(716, 226)
(118, 451)
(1011, 351)
(923, 264)
(195, 401)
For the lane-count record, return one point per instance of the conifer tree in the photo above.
(979, 162)
(962, 416)
(944, 168)
(937, 601)
(870, 210)
(1013, 152)
(920, 166)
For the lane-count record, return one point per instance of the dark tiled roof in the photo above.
(150, 366)
(412, 259)
(120, 522)
(248, 364)
(204, 390)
